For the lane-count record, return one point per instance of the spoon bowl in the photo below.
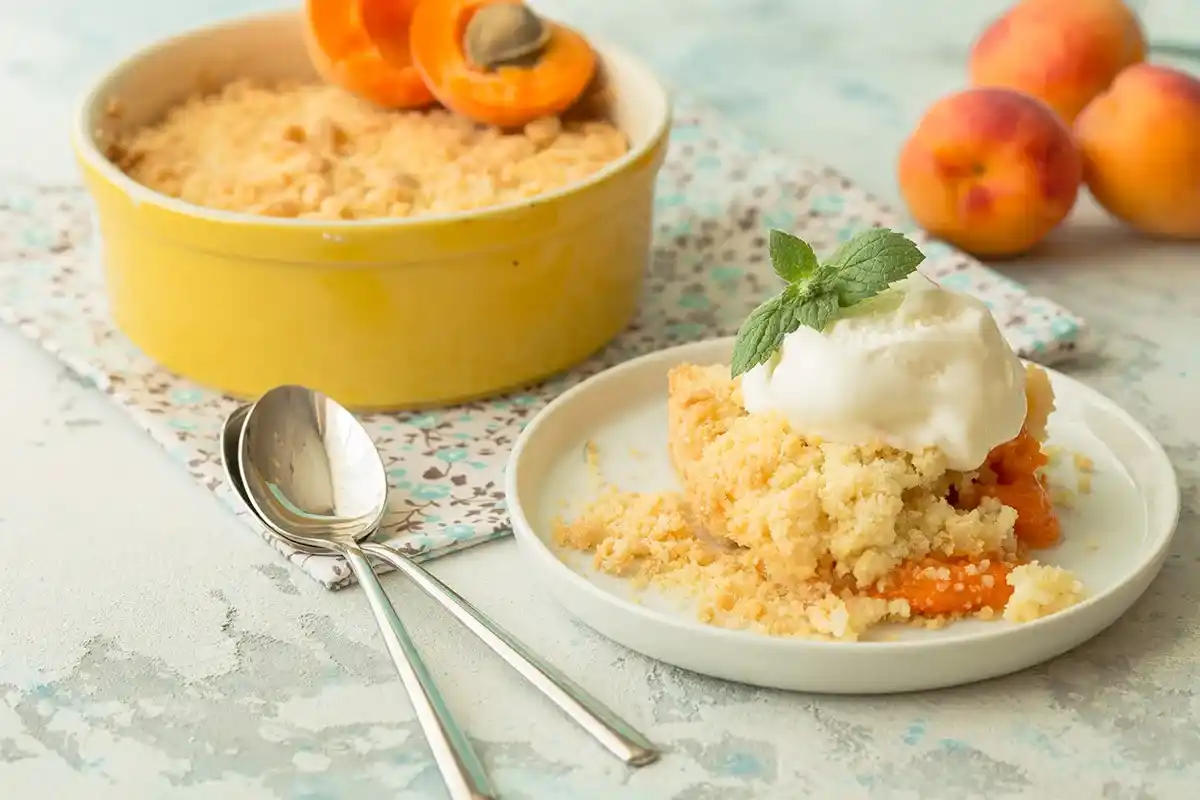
(231, 459)
(310, 469)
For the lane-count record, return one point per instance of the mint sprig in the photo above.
(815, 293)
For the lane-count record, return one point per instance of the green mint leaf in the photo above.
(760, 335)
(763, 331)
(817, 311)
(791, 256)
(870, 262)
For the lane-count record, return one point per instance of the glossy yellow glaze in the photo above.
(389, 315)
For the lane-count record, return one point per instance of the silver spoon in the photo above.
(313, 475)
(613, 733)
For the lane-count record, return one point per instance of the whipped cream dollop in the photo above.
(915, 366)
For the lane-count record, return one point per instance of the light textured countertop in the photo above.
(149, 648)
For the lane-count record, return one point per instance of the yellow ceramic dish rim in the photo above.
(343, 233)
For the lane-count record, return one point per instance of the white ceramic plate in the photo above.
(1115, 541)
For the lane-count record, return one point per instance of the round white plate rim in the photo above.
(1151, 562)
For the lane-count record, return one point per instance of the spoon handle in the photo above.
(461, 769)
(612, 732)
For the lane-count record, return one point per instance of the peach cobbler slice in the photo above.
(826, 540)
(865, 518)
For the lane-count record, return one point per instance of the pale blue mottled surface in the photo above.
(125, 675)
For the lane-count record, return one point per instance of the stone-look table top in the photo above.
(125, 675)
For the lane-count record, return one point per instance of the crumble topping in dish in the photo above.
(315, 151)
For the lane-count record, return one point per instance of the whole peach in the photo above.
(1064, 52)
(1140, 142)
(991, 171)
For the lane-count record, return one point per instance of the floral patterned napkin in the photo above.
(717, 196)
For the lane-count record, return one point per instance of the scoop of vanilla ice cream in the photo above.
(915, 366)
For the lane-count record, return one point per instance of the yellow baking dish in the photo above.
(380, 314)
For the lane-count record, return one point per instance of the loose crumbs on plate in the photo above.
(315, 151)
(1084, 468)
(1039, 590)
(648, 537)
(591, 457)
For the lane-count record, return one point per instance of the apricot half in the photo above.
(542, 84)
(362, 47)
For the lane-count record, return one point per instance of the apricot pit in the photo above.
(505, 35)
